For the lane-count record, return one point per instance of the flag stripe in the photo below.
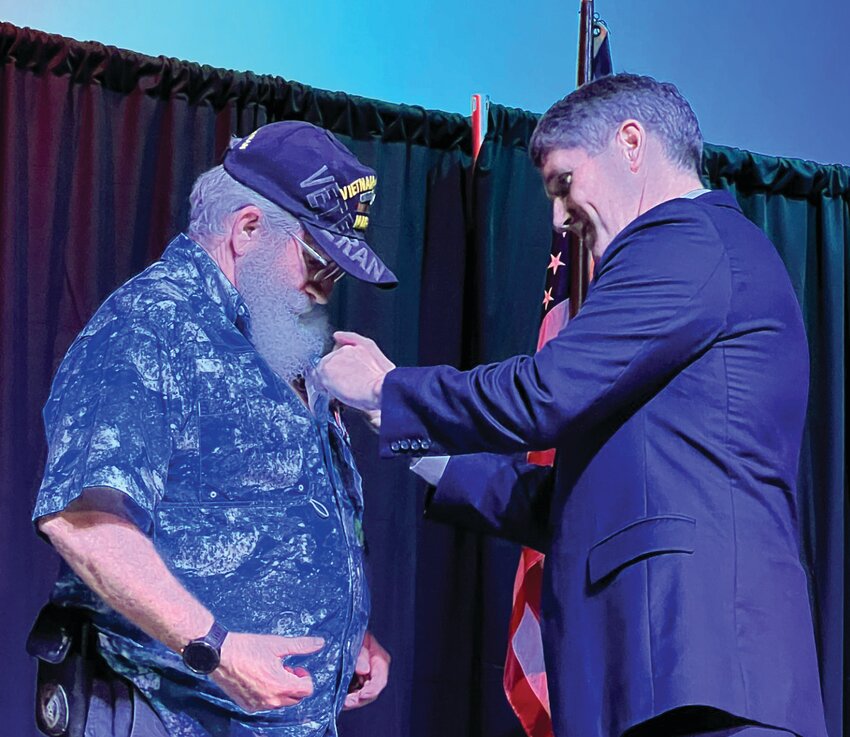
(526, 692)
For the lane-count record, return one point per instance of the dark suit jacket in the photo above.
(676, 401)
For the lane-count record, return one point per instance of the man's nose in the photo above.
(560, 217)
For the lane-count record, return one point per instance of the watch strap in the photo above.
(215, 637)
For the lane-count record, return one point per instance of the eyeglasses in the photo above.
(320, 267)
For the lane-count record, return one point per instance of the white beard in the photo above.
(287, 329)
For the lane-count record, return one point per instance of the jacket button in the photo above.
(425, 444)
(414, 445)
(394, 446)
(404, 445)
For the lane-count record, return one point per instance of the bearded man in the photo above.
(674, 601)
(202, 495)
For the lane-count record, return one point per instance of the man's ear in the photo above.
(631, 141)
(243, 229)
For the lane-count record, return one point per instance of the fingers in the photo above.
(264, 691)
(295, 686)
(292, 685)
(285, 646)
(363, 696)
(362, 666)
(352, 701)
(287, 687)
(343, 337)
(378, 677)
(373, 668)
(254, 675)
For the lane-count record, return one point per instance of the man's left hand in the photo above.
(370, 674)
(354, 371)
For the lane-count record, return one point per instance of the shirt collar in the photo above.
(716, 197)
(694, 193)
(214, 284)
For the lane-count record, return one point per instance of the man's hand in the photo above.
(120, 563)
(370, 674)
(253, 675)
(354, 371)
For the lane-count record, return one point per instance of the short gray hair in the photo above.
(588, 119)
(216, 196)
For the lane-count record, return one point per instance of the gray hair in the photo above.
(588, 119)
(216, 196)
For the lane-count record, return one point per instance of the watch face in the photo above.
(201, 657)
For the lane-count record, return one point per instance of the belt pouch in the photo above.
(62, 642)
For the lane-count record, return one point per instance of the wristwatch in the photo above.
(203, 654)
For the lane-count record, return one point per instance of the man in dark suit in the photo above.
(674, 601)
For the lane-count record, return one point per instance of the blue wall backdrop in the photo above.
(764, 75)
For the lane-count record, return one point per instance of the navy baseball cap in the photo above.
(310, 174)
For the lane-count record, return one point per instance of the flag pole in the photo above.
(524, 680)
(579, 257)
(585, 43)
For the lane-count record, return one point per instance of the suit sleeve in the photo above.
(659, 300)
(496, 495)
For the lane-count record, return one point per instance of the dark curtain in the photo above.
(98, 150)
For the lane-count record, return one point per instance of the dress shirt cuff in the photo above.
(430, 468)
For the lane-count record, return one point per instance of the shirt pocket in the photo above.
(641, 539)
(250, 444)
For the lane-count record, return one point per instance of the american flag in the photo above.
(525, 672)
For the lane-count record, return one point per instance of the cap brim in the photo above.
(354, 256)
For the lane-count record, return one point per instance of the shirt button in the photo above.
(414, 445)
(213, 494)
(395, 446)
(300, 487)
(425, 444)
(404, 445)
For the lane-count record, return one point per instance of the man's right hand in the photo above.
(120, 563)
(353, 372)
(253, 674)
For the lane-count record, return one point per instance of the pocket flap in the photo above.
(51, 636)
(671, 533)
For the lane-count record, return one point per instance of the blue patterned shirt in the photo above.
(253, 501)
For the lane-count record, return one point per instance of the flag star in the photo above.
(555, 262)
(547, 298)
